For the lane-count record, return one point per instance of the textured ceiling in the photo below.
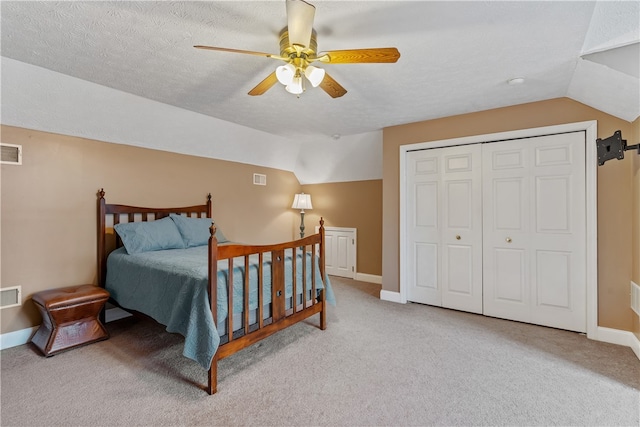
(456, 56)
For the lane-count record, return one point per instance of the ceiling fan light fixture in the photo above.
(314, 75)
(298, 49)
(285, 74)
(295, 87)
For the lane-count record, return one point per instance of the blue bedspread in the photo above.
(171, 287)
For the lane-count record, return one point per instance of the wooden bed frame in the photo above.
(281, 318)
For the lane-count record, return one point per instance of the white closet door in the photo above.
(534, 230)
(423, 223)
(445, 227)
(461, 237)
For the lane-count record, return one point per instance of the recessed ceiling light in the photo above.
(336, 136)
(516, 81)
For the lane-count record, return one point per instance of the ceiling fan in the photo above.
(298, 48)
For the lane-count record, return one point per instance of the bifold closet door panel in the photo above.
(444, 227)
(461, 228)
(506, 242)
(534, 217)
(423, 226)
(558, 263)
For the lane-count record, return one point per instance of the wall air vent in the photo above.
(11, 154)
(11, 297)
(259, 179)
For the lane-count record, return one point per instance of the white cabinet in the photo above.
(340, 251)
(499, 229)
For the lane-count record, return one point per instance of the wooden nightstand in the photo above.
(69, 318)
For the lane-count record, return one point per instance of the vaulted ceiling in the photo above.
(456, 57)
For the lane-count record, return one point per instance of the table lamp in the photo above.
(302, 201)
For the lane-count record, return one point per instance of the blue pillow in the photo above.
(195, 231)
(148, 236)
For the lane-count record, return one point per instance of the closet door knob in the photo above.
(508, 239)
(458, 237)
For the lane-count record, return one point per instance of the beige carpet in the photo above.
(378, 363)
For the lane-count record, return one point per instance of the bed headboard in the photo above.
(110, 215)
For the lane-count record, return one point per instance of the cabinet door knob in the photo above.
(458, 237)
(508, 239)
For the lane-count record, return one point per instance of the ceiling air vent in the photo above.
(11, 154)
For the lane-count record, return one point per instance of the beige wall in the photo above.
(614, 191)
(355, 204)
(48, 212)
(633, 140)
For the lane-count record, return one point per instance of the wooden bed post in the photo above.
(101, 239)
(209, 209)
(323, 294)
(102, 250)
(213, 297)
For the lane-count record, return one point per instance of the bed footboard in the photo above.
(313, 300)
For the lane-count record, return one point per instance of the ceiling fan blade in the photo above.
(332, 87)
(300, 16)
(249, 52)
(359, 56)
(264, 85)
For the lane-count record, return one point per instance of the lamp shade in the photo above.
(285, 73)
(295, 87)
(314, 75)
(302, 201)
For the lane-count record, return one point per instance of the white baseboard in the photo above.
(390, 296)
(616, 336)
(371, 278)
(16, 338)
